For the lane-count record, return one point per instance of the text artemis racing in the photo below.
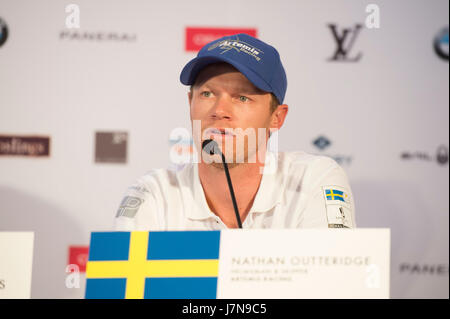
(249, 50)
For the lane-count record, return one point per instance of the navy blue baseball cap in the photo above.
(258, 61)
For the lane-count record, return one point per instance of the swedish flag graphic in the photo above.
(153, 265)
(334, 194)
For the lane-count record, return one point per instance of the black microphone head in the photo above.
(210, 146)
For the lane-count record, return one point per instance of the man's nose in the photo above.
(222, 108)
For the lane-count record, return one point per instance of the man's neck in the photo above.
(246, 179)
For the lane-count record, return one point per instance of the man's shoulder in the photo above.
(307, 169)
(165, 177)
(301, 160)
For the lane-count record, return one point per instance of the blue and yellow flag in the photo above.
(334, 194)
(153, 265)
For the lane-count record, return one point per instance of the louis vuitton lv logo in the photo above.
(344, 46)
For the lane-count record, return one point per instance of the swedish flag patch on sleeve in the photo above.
(339, 207)
(334, 194)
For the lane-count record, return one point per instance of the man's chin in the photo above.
(220, 165)
(232, 160)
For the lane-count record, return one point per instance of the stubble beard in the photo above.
(235, 163)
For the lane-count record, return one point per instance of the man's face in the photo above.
(223, 99)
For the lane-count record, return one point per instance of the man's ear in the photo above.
(190, 97)
(190, 103)
(278, 117)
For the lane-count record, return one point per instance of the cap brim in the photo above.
(191, 70)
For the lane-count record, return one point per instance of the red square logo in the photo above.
(79, 255)
(196, 38)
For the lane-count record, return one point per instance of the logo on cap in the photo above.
(239, 46)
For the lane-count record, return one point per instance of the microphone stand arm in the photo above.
(230, 186)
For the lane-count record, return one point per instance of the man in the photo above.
(237, 88)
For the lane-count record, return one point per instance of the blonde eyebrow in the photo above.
(250, 90)
(237, 89)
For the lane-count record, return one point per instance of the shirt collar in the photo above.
(200, 209)
(270, 192)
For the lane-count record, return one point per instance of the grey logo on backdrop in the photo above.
(441, 156)
(345, 39)
(3, 32)
(322, 142)
(424, 269)
(111, 147)
(97, 36)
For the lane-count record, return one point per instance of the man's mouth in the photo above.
(219, 131)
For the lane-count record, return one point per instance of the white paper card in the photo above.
(328, 263)
(16, 259)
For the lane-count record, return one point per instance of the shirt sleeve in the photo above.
(330, 202)
(138, 209)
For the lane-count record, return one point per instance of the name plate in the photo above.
(329, 263)
(240, 264)
(16, 260)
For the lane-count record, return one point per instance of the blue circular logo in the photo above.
(441, 44)
(3, 32)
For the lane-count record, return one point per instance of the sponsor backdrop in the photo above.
(90, 98)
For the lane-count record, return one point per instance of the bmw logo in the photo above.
(3, 32)
(441, 44)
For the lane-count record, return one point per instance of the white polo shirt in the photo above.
(297, 190)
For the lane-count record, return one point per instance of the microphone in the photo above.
(211, 147)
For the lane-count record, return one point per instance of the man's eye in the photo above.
(206, 94)
(243, 98)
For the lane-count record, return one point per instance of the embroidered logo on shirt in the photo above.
(129, 206)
